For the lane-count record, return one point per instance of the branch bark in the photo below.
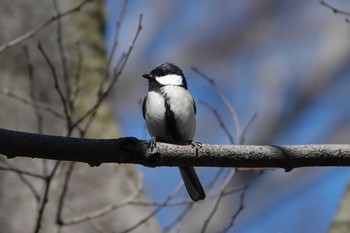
(131, 150)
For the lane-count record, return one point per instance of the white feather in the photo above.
(181, 103)
(155, 114)
(170, 79)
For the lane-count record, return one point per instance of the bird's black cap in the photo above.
(164, 69)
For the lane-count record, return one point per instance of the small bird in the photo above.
(169, 111)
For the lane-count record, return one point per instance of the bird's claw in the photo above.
(152, 144)
(195, 144)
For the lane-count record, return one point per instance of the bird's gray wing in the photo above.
(194, 106)
(144, 107)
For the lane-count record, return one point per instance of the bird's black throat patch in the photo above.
(155, 86)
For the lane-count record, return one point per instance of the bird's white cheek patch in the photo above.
(170, 79)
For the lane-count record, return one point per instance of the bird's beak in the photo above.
(147, 76)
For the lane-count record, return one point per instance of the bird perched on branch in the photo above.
(169, 111)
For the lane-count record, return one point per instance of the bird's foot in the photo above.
(152, 144)
(196, 145)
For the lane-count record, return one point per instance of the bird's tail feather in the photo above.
(192, 183)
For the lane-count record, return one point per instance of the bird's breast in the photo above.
(155, 114)
(170, 115)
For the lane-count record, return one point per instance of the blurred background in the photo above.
(286, 61)
(282, 65)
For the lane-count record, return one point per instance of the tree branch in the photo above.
(132, 150)
(335, 10)
(41, 26)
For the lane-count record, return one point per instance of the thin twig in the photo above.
(155, 211)
(175, 226)
(76, 86)
(31, 102)
(107, 209)
(37, 113)
(29, 185)
(88, 124)
(45, 198)
(218, 199)
(116, 36)
(334, 9)
(97, 226)
(58, 88)
(63, 193)
(215, 178)
(241, 202)
(21, 174)
(62, 54)
(117, 73)
(12, 169)
(248, 126)
(115, 45)
(9, 167)
(38, 28)
(183, 201)
(219, 119)
(225, 101)
(125, 57)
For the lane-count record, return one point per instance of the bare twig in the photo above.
(334, 9)
(107, 209)
(183, 201)
(125, 57)
(58, 88)
(31, 102)
(241, 202)
(225, 101)
(45, 198)
(76, 86)
(38, 28)
(155, 211)
(29, 185)
(62, 55)
(219, 119)
(218, 199)
(116, 37)
(117, 72)
(247, 127)
(115, 44)
(159, 203)
(9, 167)
(21, 175)
(63, 193)
(37, 113)
(215, 178)
(175, 226)
(12, 169)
